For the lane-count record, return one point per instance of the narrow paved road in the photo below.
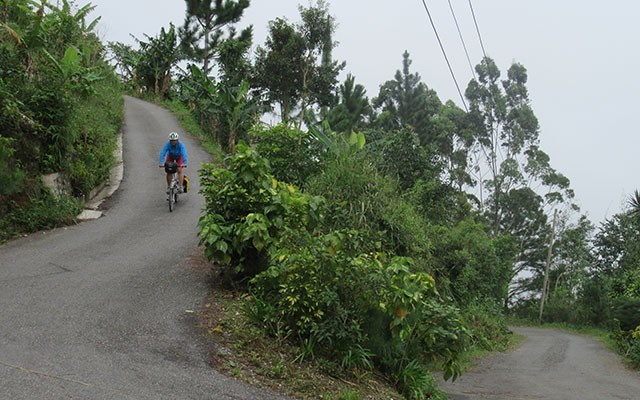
(551, 365)
(98, 310)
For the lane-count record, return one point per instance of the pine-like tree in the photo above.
(202, 33)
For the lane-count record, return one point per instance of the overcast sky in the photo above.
(581, 56)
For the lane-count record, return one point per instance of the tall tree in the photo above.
(444, 132)
(617, 245)
(518, 188)
(202, 33)
(295, 68)
(452, 135)
(407, 102)
(125, 59)
(320, 71)
(278, 66)
(573, 257)
(507, 142)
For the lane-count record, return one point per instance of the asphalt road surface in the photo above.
(100, 310)
(552, 365)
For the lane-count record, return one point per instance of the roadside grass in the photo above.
(475, 354)
(40, 212)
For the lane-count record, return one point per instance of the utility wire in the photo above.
(464, 103)
(462, 40)
(477, 29)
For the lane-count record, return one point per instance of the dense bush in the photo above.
(339, 296)
(96, 121)
(11, 177)
(362, 198)
(247, 210)
(487, 325)
(362, 306)
(294, 155)
(626, 310)
(398, 153)
(440, 203)
(475, 264)
(628, 342)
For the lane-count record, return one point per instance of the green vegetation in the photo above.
(387, 237)
(61, 111)
(350, 195)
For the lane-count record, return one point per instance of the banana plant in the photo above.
(71, 67)
(157, 57)
(331, 141)
(238, 109)
(31, 37)
(233, 106)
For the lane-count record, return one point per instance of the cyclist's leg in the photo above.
(180, 162)
(169, 176)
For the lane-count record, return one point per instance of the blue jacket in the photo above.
(174, 152)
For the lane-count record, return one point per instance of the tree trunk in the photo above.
(543, 298)
(232, 141)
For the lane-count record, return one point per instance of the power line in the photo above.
(464, 103)
(462, 40)
(477, 29)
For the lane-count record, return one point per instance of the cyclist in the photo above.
(174, 151)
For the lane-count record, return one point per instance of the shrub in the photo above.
(487, 325)
(11, 176)
(361, 198)
(417, 383)
(627, 311)
(96, 122)
(247, 210)
(472, 261)
(347, 305)
(310, 285)
(294, 155)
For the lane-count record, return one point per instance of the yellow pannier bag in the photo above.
(186, 184)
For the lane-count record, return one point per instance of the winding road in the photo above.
(551, 365)
(100, 310)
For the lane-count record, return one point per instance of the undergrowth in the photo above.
(243, 351)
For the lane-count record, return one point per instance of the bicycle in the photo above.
(172, 196)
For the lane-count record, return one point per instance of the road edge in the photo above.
(104, 191)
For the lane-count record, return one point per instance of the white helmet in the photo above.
(174, 136)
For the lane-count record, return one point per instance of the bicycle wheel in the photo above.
(171, 199)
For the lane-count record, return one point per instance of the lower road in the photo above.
(101, 310)
(550, 364)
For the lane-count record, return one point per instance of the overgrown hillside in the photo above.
(61, 110)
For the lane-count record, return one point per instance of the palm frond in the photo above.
(634, 204)
(13, 34)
